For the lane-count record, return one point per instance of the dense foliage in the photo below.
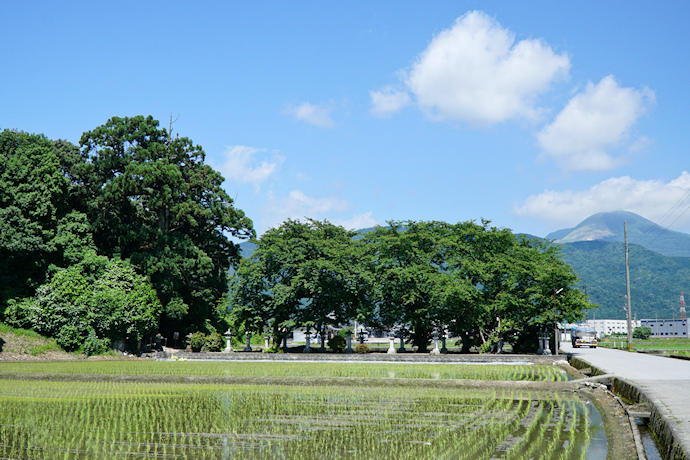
(90, 306)
(38, 226)
(481, 283)
(161, 206)
(301, 274)
(146, 203)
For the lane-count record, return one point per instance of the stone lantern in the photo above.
(444, 336)
(391, 349)
(401, 336)
(435, 351)
(248, 347)
(228, 342)
(348, 334)
(307, 344)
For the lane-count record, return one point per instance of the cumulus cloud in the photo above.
(651, 199)
(593, 123)
(358, 221)
(388, 101)
(240, 164)
(297, 205)
(475, 72)
(315, 115)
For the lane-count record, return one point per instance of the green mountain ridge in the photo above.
(655, 280)
(609, 226)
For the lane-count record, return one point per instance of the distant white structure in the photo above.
(667, 327)
(606, 327)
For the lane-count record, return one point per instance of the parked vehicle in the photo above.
(584, 336)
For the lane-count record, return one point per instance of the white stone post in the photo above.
(391, 349)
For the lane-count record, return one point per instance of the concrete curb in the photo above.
(673, 442)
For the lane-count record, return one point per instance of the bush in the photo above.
(215, 342)
(274, 349)
(197, 341)
(642, 332)
(95, 346)
(70, 338)
(337, 344)
(361, 348)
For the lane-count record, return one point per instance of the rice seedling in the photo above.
(142, 419)
(289, 369)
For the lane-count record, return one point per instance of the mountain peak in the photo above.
(609, 226)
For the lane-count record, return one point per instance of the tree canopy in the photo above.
(158, 204)
(481, 283)
(301, 274)
(130, 192)
(38, 228)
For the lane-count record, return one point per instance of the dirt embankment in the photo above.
(17, 347)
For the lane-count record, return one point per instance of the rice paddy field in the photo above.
(44, 413)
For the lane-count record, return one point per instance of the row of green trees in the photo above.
(89, 232)
(481, 283)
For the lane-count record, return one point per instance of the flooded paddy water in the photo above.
(415, 417)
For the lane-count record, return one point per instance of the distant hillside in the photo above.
(656, 280)
(608, 226)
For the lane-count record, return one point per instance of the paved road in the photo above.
(665, 381)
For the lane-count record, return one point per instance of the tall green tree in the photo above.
(301, 274)
(38, 226)
(501, 287)
(153, 200)
(406, 260)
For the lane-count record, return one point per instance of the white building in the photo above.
(667, 327)
(606, 327)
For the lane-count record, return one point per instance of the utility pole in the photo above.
(627, 284)
(556, 331)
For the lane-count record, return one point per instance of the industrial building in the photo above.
(667, 327)
(606, 327)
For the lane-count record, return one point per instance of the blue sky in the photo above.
(533, 115)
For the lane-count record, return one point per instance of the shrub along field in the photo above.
(41, 417)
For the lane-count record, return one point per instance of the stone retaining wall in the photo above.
(364, 357)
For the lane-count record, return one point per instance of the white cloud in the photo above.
(316, 115)
(475, 72)
(358, 221)
(388, 101)
(240, 165)
(652, 199)
(593, 123)
(298, 205)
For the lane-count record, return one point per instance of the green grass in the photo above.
(31, 342)
(671, 345)
(289, 369)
